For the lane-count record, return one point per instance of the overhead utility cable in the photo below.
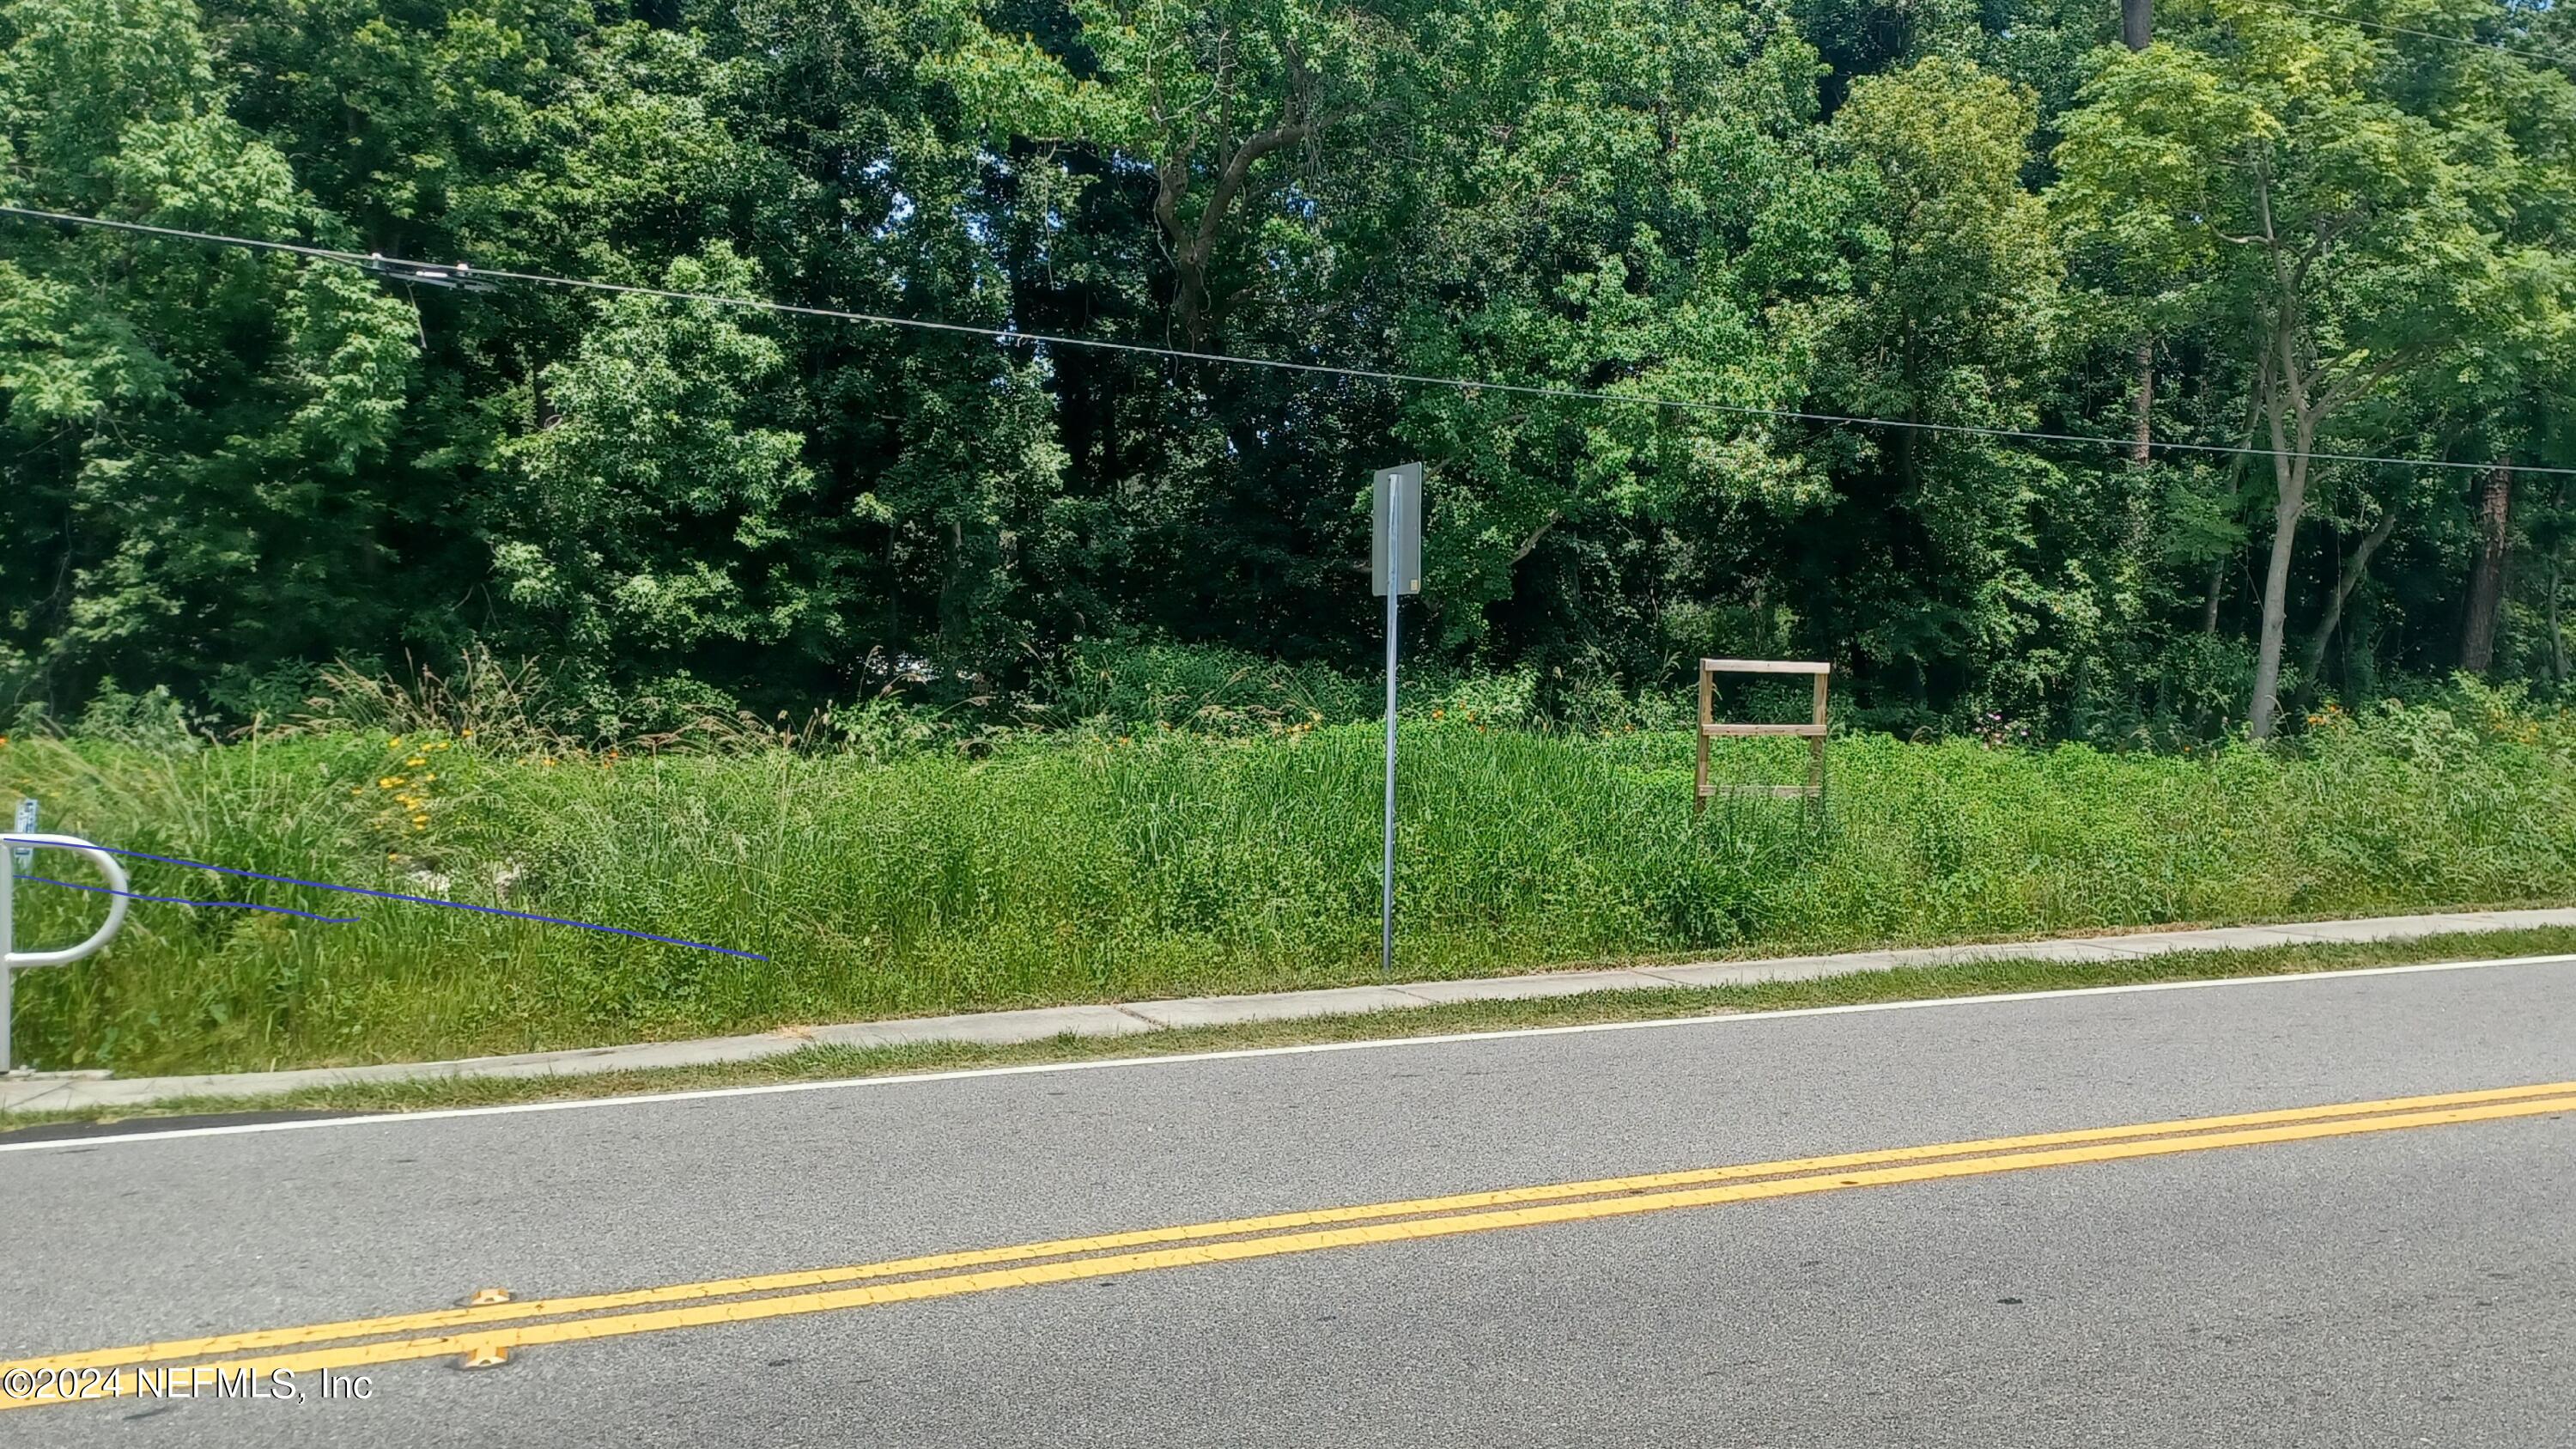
(2468, 40)
(472, 278)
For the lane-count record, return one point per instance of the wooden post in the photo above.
(1816, 746)
(1699, 786)
(1710, 728)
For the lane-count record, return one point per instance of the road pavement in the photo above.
(2403, 1275)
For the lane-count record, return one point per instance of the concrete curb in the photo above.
(72, 1090)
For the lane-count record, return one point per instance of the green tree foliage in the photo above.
(195, 432)
(650, 500)
(1953, 298)
(220, 468)
(2287, 182)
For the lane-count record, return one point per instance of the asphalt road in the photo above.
(2393, 1287)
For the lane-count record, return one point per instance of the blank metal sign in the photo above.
(1398, 489)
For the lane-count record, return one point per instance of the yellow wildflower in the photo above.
(417, 761)
(468, 734)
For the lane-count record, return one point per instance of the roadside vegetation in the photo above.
(2096, 407)
(1166, 833)
(829, 1063)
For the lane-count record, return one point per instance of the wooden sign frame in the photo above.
(1710, 727)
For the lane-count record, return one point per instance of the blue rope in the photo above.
(185, 901)
(415, 900)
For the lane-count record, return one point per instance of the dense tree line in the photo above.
(2298, 230)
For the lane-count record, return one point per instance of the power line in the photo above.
(2468, 40)
(463, 275)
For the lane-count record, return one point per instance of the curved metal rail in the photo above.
(13, 960)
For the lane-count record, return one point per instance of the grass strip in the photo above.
(823, 1063)
(1063, 868)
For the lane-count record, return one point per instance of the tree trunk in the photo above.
(1194, 247)
(2276, 602)
(2557, 636)
(2143, 449)
(1529, 545)
(2486, 581)
(2137, 23)
(2349, 580)
(2298, 394)
(2293, 427)
(2209, 601)
(2137, 31)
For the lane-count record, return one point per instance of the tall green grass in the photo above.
(1083, 865)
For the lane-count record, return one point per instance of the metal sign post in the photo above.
(25, 855)
(1395, 570)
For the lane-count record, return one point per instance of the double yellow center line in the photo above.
(353, 1343)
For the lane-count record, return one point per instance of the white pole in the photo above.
(8, 936)
(21, 858)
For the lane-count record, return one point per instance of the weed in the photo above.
(886, 872)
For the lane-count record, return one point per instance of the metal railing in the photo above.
(13, 960)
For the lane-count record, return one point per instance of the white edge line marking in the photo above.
(963, 1074)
